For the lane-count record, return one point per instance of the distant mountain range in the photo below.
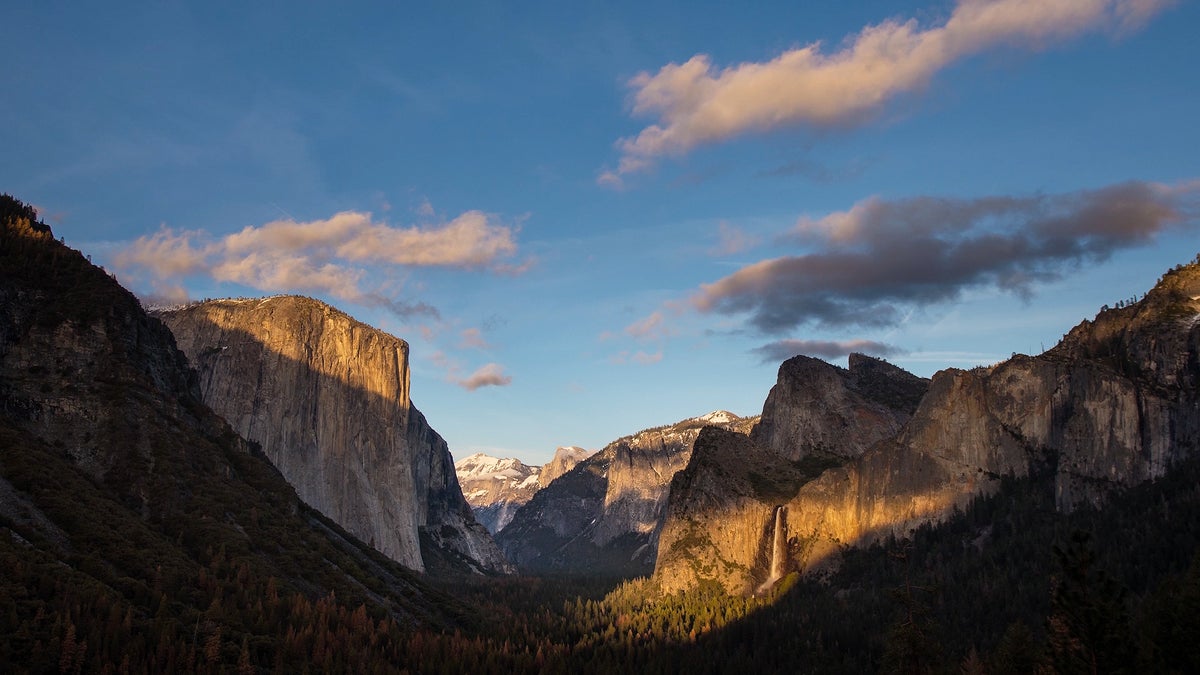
(496, 487)
(604, 515)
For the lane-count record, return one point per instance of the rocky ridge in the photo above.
(496, 487)
(327, 399)
(123, 495)
(817, 408)
(1115, 403)
(605, 514)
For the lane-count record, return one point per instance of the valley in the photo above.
(574, 338)
(246, 484)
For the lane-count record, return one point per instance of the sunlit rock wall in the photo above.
(327, 398)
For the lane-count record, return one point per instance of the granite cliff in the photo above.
(817, 408)
(496, 487)
(605, 514)
(327, 399)
(565, 458)
(1114, 403)
(129, 511)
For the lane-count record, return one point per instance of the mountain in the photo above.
(1115, 403)
(565, 459)
(495, 488)
(604, 515)
(138, 531)
(817, 408)
(327, 398)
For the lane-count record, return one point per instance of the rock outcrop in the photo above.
(327, 399)
(605, 514)
(817, 408)
(1115, 403)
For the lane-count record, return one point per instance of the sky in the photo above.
(590, 218)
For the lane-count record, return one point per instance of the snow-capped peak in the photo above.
(718, 417)
(479, 464)
(572, 452)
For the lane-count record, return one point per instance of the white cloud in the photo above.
(166, 253)
(488, 375)
(698, 103)
(336, 255)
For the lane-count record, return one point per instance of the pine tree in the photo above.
(1089, 628)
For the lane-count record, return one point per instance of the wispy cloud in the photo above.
(167, 253)
(651, 327)
(639, 357)
(472, 240)
(872, 263)
(731, 240)
(488, 375)
(472, 338)
(333, 256)
(817, 172)
(698, 103)
(782, 350)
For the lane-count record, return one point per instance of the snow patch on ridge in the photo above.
(718, 417)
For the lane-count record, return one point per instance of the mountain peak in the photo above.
(565, 459)
(718, 417)
(480, 464)
(1146, 338)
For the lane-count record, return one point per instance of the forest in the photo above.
(1006, 586)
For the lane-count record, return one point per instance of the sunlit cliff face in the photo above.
(336, 333)
(1112, 405)
(732, 537)
(327, 399)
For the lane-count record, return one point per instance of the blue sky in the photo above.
(591, 218)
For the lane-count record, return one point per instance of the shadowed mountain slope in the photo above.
(136, 527)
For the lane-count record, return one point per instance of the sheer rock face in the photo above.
(717, 523)
(605, 514)
(327, 399)
(816, 408)
(1115, 403)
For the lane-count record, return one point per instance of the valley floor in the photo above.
(1007, 586)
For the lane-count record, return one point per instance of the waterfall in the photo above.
(779, 546)
(779, 551)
